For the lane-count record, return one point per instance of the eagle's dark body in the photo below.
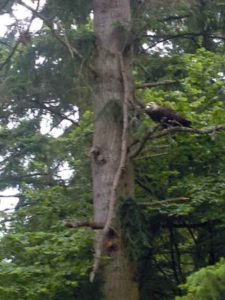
(167, 117)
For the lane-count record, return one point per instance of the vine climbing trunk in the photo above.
(112, 172)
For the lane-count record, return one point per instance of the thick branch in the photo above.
(172, 18)
(151, 156)
(141, 142)
(164, 38)
(155, 84)
(184, 225)
(164, 202)
(154, 134)
(140, 183)
(172, 130)
(75, 224)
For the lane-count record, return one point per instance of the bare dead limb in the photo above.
(75, 224)
(121, 167)
(155, 84)
(154, 134)
(62, 39)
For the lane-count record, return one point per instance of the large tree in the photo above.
(112, 172)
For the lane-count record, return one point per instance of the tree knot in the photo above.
(97, 155)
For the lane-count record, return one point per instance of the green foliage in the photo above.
(39, 256)
(189, 232)
(206, 284)
(69, 10)
(42, 264)
(134, 227)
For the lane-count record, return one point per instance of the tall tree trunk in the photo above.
(112, 20)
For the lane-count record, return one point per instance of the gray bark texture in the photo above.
(112, 19)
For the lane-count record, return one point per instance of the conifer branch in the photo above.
(4, 5)
(18, 42)
(62, 39)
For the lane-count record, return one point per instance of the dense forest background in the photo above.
(173, 226)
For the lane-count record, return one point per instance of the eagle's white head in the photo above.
(151, 106)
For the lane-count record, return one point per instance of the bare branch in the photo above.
(141, 142)
(164, 38)
(155, 84)
(153, 133)
(121, 167)
(172, 130)
(75, 224)
(175, 36)
(56, 112)
(63, 40)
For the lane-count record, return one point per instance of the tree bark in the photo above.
(112, 19)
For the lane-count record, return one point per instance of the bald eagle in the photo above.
(166, 116)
